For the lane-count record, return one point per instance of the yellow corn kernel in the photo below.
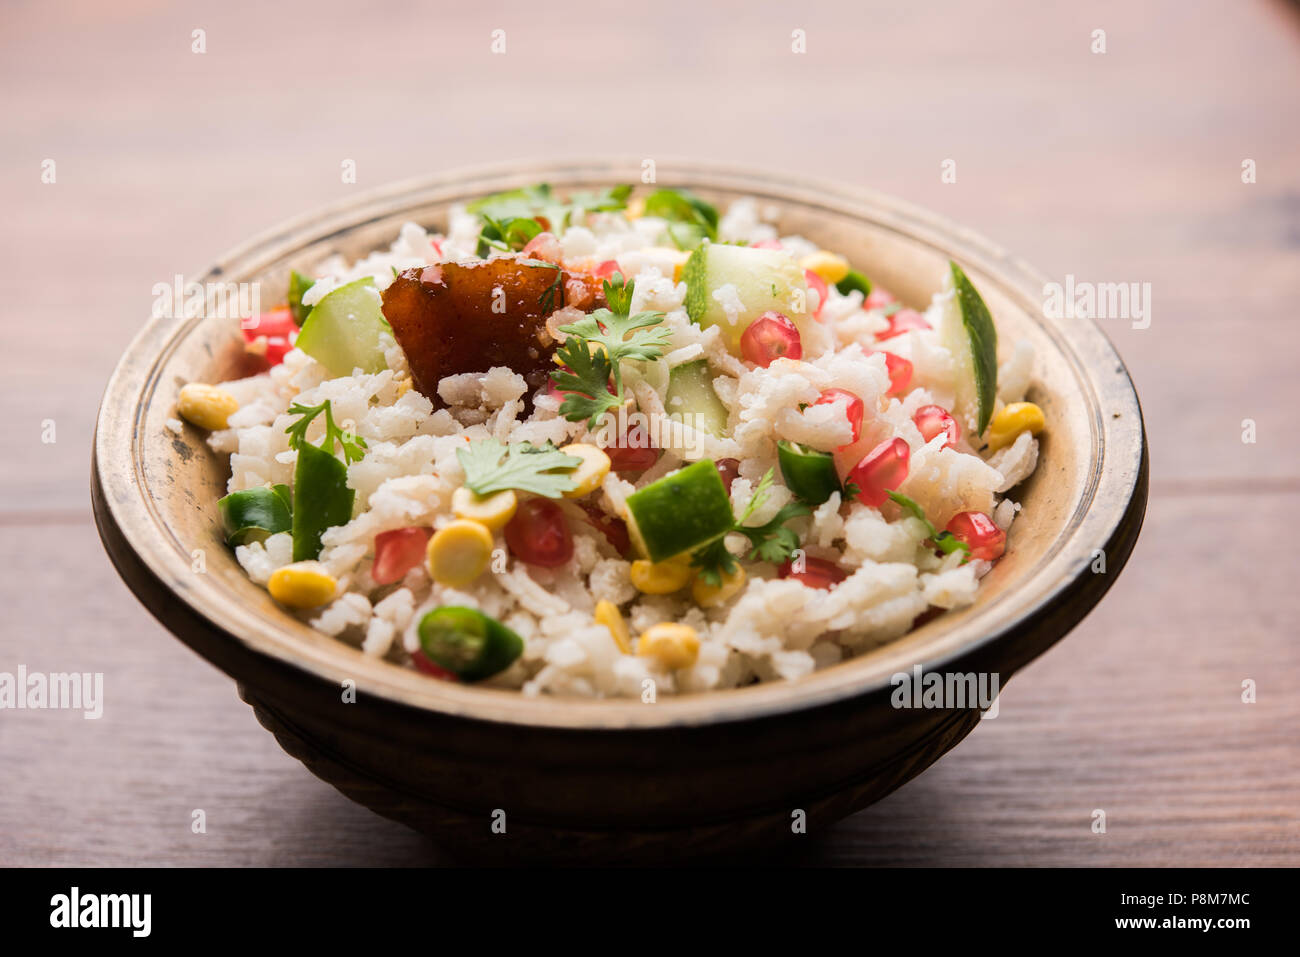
(829, 266)
(459, 553)
(674, 645)
(710, 596)
(490, 511)
(589, 475)
(404, 386)
(660, 578)
(607, 614)
(302, 585)
(206, 406)
(635, 207)
(1011, 421)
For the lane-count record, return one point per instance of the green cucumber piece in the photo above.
(342, 331)
(680, 512)
(967, 331)
(854, 280)
(299, 284)
(254, 514)
(468, 643)
(808, 473)
(690, 392)
(765, 280)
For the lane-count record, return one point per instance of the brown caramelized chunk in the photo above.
(451, 318)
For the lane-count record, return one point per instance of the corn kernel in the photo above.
(589, 475)
(607, 614)
(710, 596)
(635, 207)
(674, 645)
(459, 553)
(206, 406)
(1011, 421)
(829, 266)
(490, 511)
(660, 578)
(302, 585)
(404, 385)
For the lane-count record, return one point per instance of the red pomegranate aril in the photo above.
(770, 337)
(816, 572)
(933, 420)
(854, 408)
(878, 298)
(425, 665)
(882, 470)
(633, 453)
(611, 526)
(539, 534)
(817, 283)
(397, 552)
(768, 244)
(900, 373)
(271, 334)
(984, 539)
(729, 470)
(905, 320)
(606, 269)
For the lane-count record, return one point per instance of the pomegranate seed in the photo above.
(980, 534)
(397, 552)
(905, 320)
(539, 534)
(633, 453)
(768, 338)
(611, 526)
(817, 573)
(816, 282)
(271, 334)
(854, 408)
(437, 247)
(882, 471)
(606, 269)
(768, 244)
(934, 420)
(900, 373)
(544, 246)
(426, 666)
(878, 298)
(729, 469)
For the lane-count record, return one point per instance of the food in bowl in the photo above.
(612, 445)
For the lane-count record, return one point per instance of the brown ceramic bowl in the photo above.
(616, 780)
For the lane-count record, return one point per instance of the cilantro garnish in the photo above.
(353, 445)
(508, 235)
(595, 347)
(682, 206)
(491, 466)
(553, 292)
(944, 541)
(539, 204)
(769, 542)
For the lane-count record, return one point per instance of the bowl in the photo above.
(492, 774)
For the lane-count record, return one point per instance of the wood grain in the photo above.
(1116, 167)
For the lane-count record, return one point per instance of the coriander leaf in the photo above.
(618, 293)
(585, 377)
(759, 495)
(714, 561)
(623, 336)
(682, 206)
(948, 543)
(552, 292)
(915, 509)
(353, 445)
(542, 470)
(772, 541)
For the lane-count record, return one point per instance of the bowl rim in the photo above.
(149, 557)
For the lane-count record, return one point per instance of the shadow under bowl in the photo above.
(617, 780)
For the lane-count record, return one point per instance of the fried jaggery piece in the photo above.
(469, 316)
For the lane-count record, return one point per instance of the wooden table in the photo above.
(1122, 166)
